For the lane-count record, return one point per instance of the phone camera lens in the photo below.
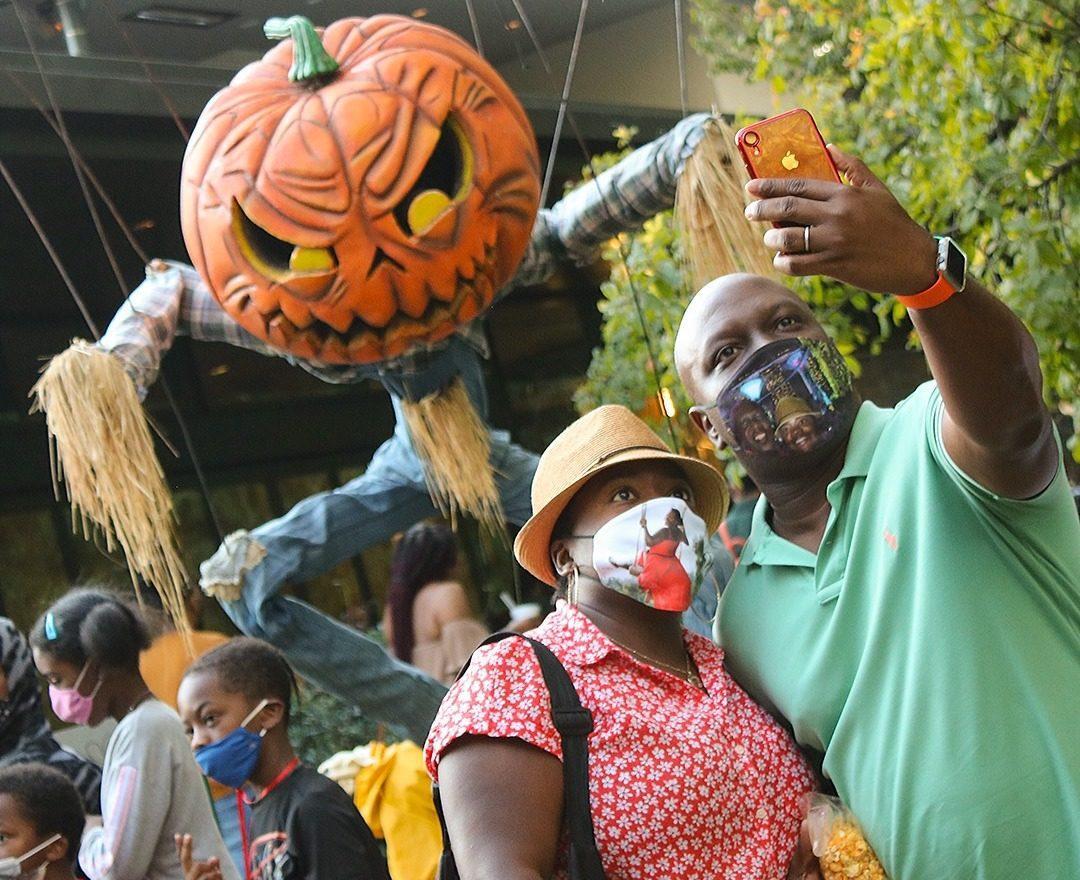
(751, 139)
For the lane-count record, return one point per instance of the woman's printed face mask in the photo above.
(653, 553)
(792, 397)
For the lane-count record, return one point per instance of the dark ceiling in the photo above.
(114, 29)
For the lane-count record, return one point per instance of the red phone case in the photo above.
(788, 145)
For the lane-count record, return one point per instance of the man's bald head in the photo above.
(723, 296)
(728, 319)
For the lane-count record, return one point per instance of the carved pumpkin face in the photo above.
(349, 219)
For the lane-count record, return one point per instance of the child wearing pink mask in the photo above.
(87, 647)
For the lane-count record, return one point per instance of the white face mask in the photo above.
(653, 553)
(11, 866)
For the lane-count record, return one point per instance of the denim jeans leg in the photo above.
(326, 528)
(310, 539)
(514, 469)
(228, 820)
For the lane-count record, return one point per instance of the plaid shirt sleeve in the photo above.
(617, 200)
(173, 300)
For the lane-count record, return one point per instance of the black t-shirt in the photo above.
(307, 828)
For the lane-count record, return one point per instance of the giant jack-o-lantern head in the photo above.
(351, 199)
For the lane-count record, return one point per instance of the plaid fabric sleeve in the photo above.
(173, 300)
(617, 200)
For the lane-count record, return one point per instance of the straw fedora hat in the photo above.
(791, 407)
(607, 436)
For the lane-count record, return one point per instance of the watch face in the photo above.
(954, 266)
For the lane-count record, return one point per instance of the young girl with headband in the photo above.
(87, 647)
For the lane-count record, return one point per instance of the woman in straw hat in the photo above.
(688, 778)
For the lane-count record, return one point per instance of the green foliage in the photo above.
(968, 109)
(646, 274)
(322, 725)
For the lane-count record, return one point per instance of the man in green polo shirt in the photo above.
(909, 596)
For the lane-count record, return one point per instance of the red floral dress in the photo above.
(685, 784)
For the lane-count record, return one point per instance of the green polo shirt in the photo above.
(930, 650)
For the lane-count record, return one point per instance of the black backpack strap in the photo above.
(574, 723)
(447, 866)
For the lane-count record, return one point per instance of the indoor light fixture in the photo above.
(179, 15)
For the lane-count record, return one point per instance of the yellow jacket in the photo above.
(392, 790)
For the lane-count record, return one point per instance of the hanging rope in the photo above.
(196, 464)
(680, 48)
(40, 230)
(87, 170)
(475, 27)
(532, 34)
(563, 102)
(65, 137)
(162, 93)
(590, 160)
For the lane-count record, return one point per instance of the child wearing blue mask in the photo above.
(41, 823)
(235, 703)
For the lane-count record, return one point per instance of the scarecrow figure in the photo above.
(354, 204)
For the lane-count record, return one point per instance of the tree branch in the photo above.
(1057, 171)
(1055, 86)
(1069, 17)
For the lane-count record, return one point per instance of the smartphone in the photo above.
(788, 145)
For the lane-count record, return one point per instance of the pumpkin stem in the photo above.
(311, 62)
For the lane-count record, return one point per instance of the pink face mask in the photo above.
(71, 706)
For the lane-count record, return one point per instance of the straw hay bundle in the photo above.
(709, 202)
(453, 443)
(100, 447)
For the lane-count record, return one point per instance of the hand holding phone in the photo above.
(858, 234)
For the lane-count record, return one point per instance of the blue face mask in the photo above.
(231, 760)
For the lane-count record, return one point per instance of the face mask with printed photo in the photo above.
(792, 397)
(653, 553)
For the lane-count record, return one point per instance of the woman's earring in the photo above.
(572, 587)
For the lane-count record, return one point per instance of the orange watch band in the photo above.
(934, 295)
(952, 277)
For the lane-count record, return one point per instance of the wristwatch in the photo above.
(952, 276)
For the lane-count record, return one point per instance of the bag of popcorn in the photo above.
(842, 851)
